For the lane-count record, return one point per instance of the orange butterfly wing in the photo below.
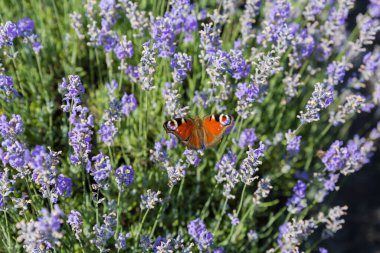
(186, 131)
(200, 134)
(214, 127)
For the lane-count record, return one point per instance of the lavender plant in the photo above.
(85, 86)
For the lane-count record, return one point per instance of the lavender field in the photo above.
(185, 126)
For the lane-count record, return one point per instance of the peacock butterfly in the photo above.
(200, 133)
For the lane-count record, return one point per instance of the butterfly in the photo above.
(200, 133)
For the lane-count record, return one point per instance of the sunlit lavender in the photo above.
(86, 86)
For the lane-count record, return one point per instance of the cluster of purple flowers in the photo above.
(179, 19)
(13, 151)
(124, 176)
(44, 165)
(104, 232)
(74, 219)
(293, 143)
(321, 98)
(344, 160)
(227, 174)
(247, 138)
(101, 170)
(297, 202)
(80, 118)
(249, 165)
(116, 110)
(24, 29)
(198, 231)
(259, 69)
(293, 233)
(45, 233)
(274, 21)
(6, 189)
(7, 87)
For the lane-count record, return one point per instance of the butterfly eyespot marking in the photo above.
(224, 119)
(172, 125)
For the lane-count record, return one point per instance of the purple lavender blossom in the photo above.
(147, 66)
(124, 49)
(240, 68)
(234, 219)
(293, 233)
(121, 241)
(181, 64)
(81, 134)
(246, 94)
(274, 21)
(63, 185)
(101, 170)
(36, 46)
(313, 9)
(8, 33)
(129, 104)
(71, 91)
(198, 231)
(335, 157)
(25, 27)
(164, 36)
(374, 8)
(107, 132)
(124, 177)
(297, 202)
(104, 232)
(2, 202)
(150, 199)
(44, 165)
(192, 157)
(248, 19)
(302, 47)
(179, 19)
(371, 61)
(247, 137)
(6, 85)
(133, 73)
(293, 143)
(172, 101)
(158, 154)
(249, 165)
(137, 18)
(107, 40)
(210, 42)
(11, 30)
(321, 98)
(219, 250)
(45, 233)
(336, 72)
(227, 173)
(161, 242)
(10, 129)
(74, 219)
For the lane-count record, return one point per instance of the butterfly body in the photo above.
(200, 133)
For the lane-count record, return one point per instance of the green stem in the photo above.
(241, 199)
(160, 211)
(9, 246)
(237, 213)
(140, 226)
(118, 214)
(208, 202)
(111, 156)
(221, 216)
